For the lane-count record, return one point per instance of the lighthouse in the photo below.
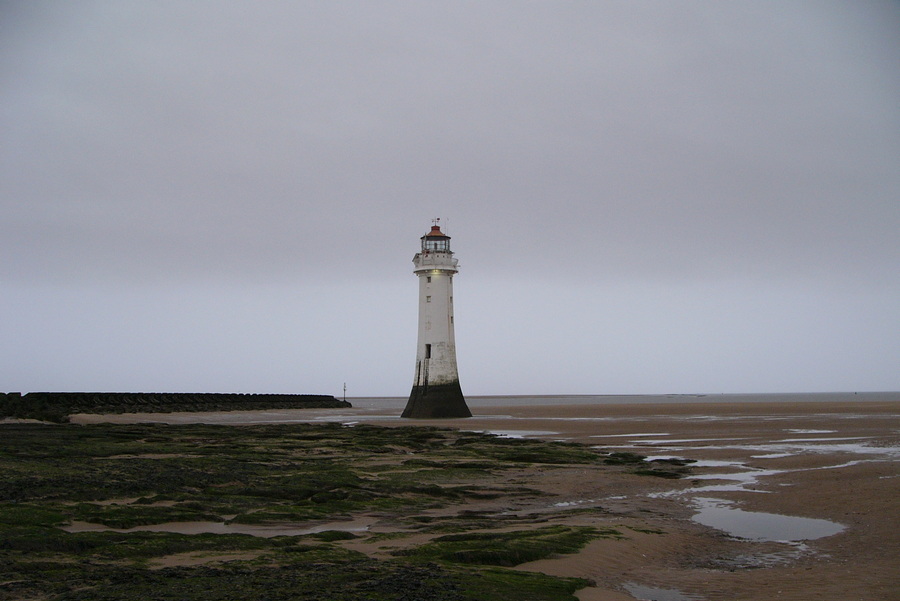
(436, 392)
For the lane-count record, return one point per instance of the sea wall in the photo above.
(56, 406)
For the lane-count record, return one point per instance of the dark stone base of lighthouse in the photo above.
(436, 402)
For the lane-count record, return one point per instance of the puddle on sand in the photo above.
(821, 439)
(628, 435)
(746, 478)
(807, 431)
(668, 441)
(579, 502)
(759, 526)
(517, 433)
(741, 481)
(699, 462)
(648, 593)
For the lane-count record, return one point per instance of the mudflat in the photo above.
(749, 501)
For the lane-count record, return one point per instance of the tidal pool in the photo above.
(755, 525)
(649, 593)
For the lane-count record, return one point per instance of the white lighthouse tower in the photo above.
(436, 392)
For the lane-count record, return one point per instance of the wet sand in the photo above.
(835, 463)
(829, 461)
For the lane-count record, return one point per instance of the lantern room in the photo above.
(436, 241)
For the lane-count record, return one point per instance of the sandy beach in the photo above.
(791, 501)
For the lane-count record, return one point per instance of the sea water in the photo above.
(638, 399)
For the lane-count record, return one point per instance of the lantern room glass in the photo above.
(441, 245)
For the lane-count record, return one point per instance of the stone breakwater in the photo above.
(56, 406)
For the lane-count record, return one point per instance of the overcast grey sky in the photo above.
(644, 197)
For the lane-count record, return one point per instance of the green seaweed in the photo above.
(506, 548)
(123, 476)
(660, 473)
(499, 584)
(130, 516)
(623, 458)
